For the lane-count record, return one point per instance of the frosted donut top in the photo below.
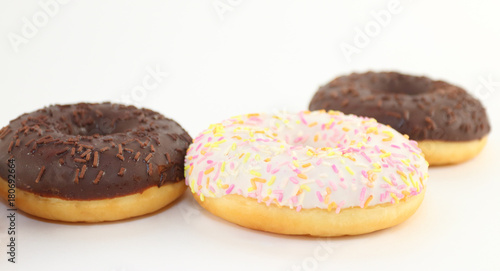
(316, 159)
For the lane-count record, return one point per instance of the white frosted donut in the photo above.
(326, 166)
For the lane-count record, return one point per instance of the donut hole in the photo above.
(401, 84)
(104, 120)
(101, 126)
(313, 139)
(328, 131)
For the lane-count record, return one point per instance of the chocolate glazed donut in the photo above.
(430, 112)
(93, 152)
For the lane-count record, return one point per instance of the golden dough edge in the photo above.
(150, 200)
(249, 213)
(440, 153)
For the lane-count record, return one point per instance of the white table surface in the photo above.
(251, 56)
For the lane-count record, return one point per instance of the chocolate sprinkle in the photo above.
(120, 157)
(99, 176)
(85, 153)
(80, 160)
(82, 173)
(75, 180)
(96, 159)
(10, 146)
(4, 132)
(121, 172)
(62, 151)
(39, 177)
(136, 157)
(87, 146)
(150, 169)
(29, 142)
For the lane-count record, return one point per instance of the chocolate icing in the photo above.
(93, 151)
(417, 106)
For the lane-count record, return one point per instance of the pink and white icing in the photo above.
(316, 159)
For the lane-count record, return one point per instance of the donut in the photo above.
(92, 162)
(312, 173)
(449, 125)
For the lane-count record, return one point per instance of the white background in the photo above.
(253, 56)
